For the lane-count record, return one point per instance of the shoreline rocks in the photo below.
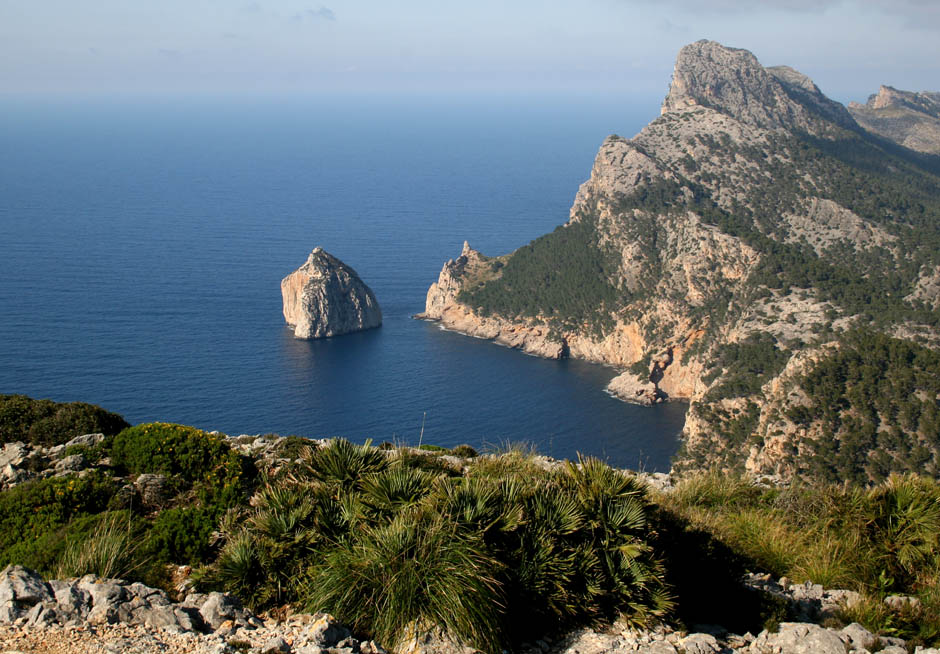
(325, 297)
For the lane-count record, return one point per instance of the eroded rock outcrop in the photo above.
(907, 118)
(325, 297)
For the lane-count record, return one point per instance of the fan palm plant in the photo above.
(417, 571)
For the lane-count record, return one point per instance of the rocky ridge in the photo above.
(719, 228)
(905, 117)
(325, 297)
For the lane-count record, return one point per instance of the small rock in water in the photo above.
(325, 297)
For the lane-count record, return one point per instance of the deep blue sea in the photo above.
(142, 244)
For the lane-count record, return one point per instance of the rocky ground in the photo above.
(89, 615)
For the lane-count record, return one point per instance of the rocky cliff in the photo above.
(325, 297)
(723, 255)
(907, 118)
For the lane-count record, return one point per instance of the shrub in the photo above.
(465, 451)
(395, 488)
(33, 514)
(395, 547)
(294, 447)
(109, 551)
(181, 535)
(343, 463)
(187, 455)
(45, 422)
(267, 548)
(412, 574)
(879, 540)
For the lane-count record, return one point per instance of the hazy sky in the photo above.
(299, 46)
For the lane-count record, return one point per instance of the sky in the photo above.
(198, 47)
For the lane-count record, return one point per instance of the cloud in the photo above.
(323, 12)
(921, 14)
(747, 6)
(172, 54)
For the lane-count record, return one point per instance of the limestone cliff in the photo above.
(907, 118)
(325, 297)
(720, 256)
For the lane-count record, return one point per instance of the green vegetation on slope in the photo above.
(495, 550)
(44, 523)
(895, 192)
(878, 541)
(386, 543)
(875, 399)
(567, 279)
(745, 366)
(563, 277)
(45, 422)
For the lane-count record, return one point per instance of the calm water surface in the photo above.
(142, 246)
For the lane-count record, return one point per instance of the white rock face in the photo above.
(325, 297)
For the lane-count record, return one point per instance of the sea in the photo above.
(143, 240)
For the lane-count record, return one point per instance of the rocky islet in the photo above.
(325, 297)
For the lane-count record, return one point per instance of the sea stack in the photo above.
(325, 297)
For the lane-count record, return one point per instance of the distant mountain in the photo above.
(752, 250)
(907, 118)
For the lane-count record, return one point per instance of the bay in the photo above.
(142, 243)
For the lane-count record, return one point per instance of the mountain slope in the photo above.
(909, 119)
(738, 243)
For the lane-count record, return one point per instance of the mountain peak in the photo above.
(733, 81)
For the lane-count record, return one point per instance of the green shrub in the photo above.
(411, 575)
(343, 463)
(45, 422)
(465, 451)
(188, 456)
(394, 547)
(267, 548)
(395, 488)
(181, 535)
(44, 552)
(294, 447)
(36, 511)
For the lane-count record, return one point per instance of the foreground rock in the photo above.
(95, 615)
(21, 462)
(87, 615)
(325, 297)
